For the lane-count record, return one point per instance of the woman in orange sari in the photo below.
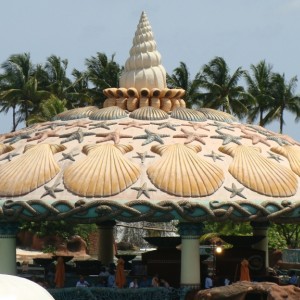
(120, 274)
(60, 273)
(245, 275)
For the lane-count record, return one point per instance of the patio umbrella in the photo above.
(120, 273)
(60, 273)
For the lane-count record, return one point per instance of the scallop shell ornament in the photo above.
(30, 170)
(149, 113)
(104, 172)
(216, 115)
(292, 153)
(181, 172)
(260, 174)
(76, 113)
(109, 113)
(187, 114)
(5, 148)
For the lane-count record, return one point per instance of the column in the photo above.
(106, 242)
(190, 254)
(261, 229)
(8, 263)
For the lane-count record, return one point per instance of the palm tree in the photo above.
(102, 73)
(48, 109)
(259, 86)
(222, 90)
(181, 79)
(19, 87)
(284, 99)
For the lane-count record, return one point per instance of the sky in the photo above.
(243, 32)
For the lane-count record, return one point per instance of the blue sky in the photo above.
(243, 32)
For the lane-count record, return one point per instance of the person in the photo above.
(59, 278)
(134, 284)
(144, 282)
(103, 272)
(111, 279)
(82, 282)
(155, 281)
(208, 281)
(226, 281)
(245, 275)
(120, 273)
(164, 283)
(293, 279)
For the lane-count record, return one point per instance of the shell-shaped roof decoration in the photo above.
(260, 174)
(104, 172)
(149, 113)
(145, 156)
(143, 68)
(77, 113)
(108, 113)
(188, 114)
(216, 115)
(195, 177)
(29, 171)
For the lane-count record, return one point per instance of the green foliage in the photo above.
(59, 228)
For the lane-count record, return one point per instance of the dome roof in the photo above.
(148, 160)
(155, 161)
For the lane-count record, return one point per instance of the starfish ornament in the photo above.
(214, 156)
(17, 138)
(256, 138)
(143, 156)
(50, 125)
(51, 190)
(191, 136)
(278, 139)
(197, 125)
(76, 135)
(104, 124)
(274, 156)
(9, 156)
(143, 190)
(151, 137)
(235, 191)
(289, 139)
(69, 156)
(41, 136)
(221, 126)
(112, 136)
(81, 123)
(227, 138)
(166, 125)
(133, 124)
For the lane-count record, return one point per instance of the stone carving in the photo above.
(216, 115)
(108, 113)
(151, 137)
(149, 113)
(188, 114)
(194, 178)
(76, 113)
(5, 148)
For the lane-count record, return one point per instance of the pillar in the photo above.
(190, 254)
(8, 263)
(261, 229)
(106, 242)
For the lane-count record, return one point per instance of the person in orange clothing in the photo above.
(120, 273)
(60, 273)
(245, 275)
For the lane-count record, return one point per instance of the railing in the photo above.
(95, 293)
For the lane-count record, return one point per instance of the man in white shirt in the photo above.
(209, 281)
